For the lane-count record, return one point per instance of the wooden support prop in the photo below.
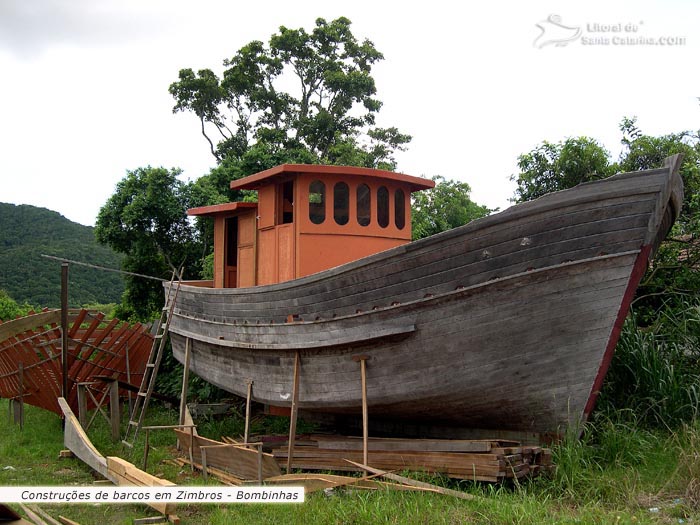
(365, 416)
(247, 410)
(185, 382)
(64, 329)
(293, 416)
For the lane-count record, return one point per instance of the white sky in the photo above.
(84, 84)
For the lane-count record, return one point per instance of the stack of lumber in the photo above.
(480, 460)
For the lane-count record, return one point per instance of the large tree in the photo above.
(146, 220)
(303, 97)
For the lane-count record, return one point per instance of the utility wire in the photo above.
(104, 268)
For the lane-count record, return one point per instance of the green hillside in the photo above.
(26, 232)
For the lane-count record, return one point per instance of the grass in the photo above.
(615, 473)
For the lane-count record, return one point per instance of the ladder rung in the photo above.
(150, 365)
(130, 445)
(143, 394)
(134, 423)
(158, 336)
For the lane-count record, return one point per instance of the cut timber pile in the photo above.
(483, 460)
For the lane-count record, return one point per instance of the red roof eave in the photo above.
(216, 209)
(253, 182)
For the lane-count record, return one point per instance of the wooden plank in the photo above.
(32, 515)
(387, 444)
(30, 322)
(67, 521)
(414, 483)
(44, 515)
(131, 472)
(75, 439)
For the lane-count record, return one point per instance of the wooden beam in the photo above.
(64, 329)
(365, 416)
(414, 483)
(185, 381)
(293, 416)
(247, 411)
(114, 412)
(82, 404)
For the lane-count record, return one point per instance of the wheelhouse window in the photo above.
(399, 209)
(317, 202)
(383, 206)
(341, 203)
(364, 205)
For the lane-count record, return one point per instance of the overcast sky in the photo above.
(84, 88)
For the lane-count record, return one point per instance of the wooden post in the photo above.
(128, 377)
(185, 385)
(203, 453)
(146, 446)
(365, 417)
(247, 411)
(64, 329)
(185, 381)
(19, 402)
(114, 409)
(293, 416)
(82, 404)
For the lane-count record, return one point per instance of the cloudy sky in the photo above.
(84, 90)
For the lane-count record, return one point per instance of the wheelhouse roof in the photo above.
(254, 182)
(217, 209)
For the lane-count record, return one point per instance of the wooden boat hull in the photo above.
(508, 322)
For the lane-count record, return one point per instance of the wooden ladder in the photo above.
(151, 371)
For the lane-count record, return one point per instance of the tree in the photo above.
(552, 167)
(444, 207)
(146, 220)
(304, 97)
(9, 309)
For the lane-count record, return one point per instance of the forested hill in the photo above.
(26, 232)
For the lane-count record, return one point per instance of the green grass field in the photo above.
(616, 473)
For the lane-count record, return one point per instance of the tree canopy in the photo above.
(444, 207)
(304, 97)
(145, 219)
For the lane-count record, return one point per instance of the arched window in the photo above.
(317, 202)
(341, 203)
(383, 206)
(399, 209)
(364, 205)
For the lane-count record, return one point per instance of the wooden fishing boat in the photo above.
(508, 322)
